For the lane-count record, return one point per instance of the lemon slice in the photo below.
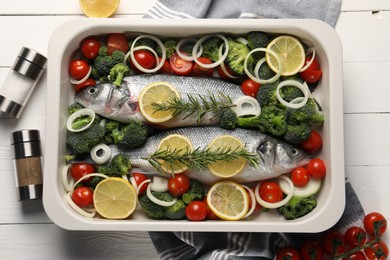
(228, 200)
(171, 143)
(160, 93)
(291, 54)
(115, 198)
(226, 169)
(99, 8)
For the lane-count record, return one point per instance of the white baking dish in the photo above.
(65, 40)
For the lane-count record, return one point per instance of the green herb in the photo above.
(197, 106)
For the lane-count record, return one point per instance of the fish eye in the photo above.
(293, 152)
(92, 90)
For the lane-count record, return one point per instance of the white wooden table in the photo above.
(27, 233)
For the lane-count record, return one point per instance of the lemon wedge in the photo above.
(99, 8)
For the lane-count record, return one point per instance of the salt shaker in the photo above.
(20, 82)
(27, 163)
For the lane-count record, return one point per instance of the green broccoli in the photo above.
(152, 209)
(251, 122)
(228, 119)
(211, 47)
(274, 120)
(126, 135)
(74, 107)
(196, 192)
(258, 39)
(308, 114)
(118, 166)
(81, 121)
(82, 142)
(170, 48)
(117, 57)
(118, 72)
(267, 94)
(298, 207)
(103, 63)
(295, 134)
(103, 51)
(237, 55)
(265, 72)
(176, 211)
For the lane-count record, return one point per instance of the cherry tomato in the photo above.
(313, 143)
(270, 192)
(78, 69)
(300, 177)
(288, 253)
(86, 83)
(223, 75)
(139, 178)
(210, 213)
(311, 249)
(199, 71)
(333, 242)
(145, 59)
(166, 68)
(178, 184)
(179, 66)
(258, 206)
(316, 168)
(378, 251)
(359, 255)
(355, 236)
(196, 211)
(78, 170)
(117, 41)
(250, 88)
(90, 48)
(82, 196)
(313, 73)
(375, 219)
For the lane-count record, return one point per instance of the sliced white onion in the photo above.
(78, 209)
(246, 105)
(298, 102)
(75, 82)
(198, 44)
(313, 54)
(184, 56)
(159, 184)
(157, 201)
(124, 176)
(279, 203)
(66, 181)
(242, 40)
(258, 80)
(159, 63)
(311, 188)
(133, 182)
(101, 153)
(253, 200)
(223, 64)
(142, 184)
(78, 113)
(86, 176)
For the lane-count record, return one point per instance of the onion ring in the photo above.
(258, 80)
(279, 203)
(292, 104)
(78, 113)
(199, 43)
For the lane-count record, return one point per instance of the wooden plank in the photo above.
(365, 5)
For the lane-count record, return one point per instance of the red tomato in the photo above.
(178, 184)
(90, 48)
(375, 219)
(199, 71)
(196, 211)
(300, 177)
(313, 73)
(87, 83)
(359, 255)
(316, 168)
(223, 75)
(145, 59)
(82, 196)
(311, 249)
(378, 251)
(139, 178)
(179, 66)
(166, 68)
(78, 170)
(258, 206)
(313, 143)
(333, 242)
(78, 69)
(355, 236)
(210, 213)
(117, 41)
(288, 253)
(250, 88)
(270, 191)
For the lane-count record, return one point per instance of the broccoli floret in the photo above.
(228, 119)
(211, 47)
(103, 65)
(236, 57)
(308, 114)
(152, 209)
(196, 192)
(81, 121)
(265, 71)
(251, 122)
(298, 207)
(176, 211)
(274, 120)
(103, 51)
(267, 94)
(170, 48)
(295, 134)
(118, 166)
(126, 135)
(118, 72)
(258, 39)
(74, 107)
(82, 142)
(117, 57)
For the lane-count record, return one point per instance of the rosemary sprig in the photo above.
(197, 106)
(199, 158)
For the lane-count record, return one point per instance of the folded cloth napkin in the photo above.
(245, 245)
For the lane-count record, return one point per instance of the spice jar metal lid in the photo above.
(9, 109)
(25, 135)
(30, 63)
